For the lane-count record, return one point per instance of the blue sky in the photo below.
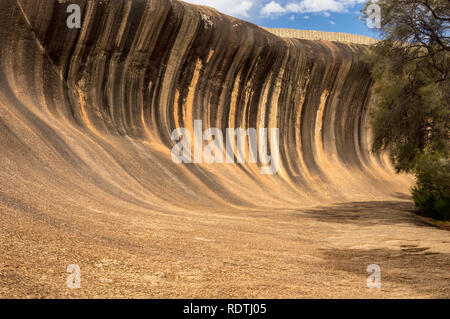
(320, 15)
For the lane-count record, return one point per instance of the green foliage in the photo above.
(411, 113)
(432, 190)
(411, 118)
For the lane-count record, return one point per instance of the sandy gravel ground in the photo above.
(321, 252)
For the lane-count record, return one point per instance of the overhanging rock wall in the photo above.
(86, 114)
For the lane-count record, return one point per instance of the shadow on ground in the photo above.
(417, 267)
(368, 213)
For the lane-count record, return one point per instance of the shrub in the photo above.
(431, 193)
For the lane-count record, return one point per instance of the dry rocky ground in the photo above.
(321, 252)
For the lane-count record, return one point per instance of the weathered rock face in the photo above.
(87, 114)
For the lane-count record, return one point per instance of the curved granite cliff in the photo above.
(87, 114)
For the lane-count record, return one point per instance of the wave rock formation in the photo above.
(86, 114)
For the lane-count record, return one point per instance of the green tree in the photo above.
(411, 71)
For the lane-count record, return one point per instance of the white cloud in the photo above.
(321, 5)
(315, 6)
(332, 22)
(267, 8)
(272, 8)
(232, 7)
